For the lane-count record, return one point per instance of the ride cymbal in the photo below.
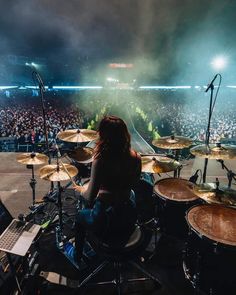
(156, 164)
(172, 142)
(82, 154)
(214, 151)
(77, 135)
(58, 173)
(213, 195)
(32, 159)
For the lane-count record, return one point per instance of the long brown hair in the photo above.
(114, 137)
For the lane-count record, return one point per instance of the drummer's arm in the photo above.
(91, 192)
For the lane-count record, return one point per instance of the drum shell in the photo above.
(171, 213)
(208, 264)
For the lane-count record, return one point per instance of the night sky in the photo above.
(168, 41)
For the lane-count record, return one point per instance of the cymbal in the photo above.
(51, 173)
(82, 154)
(214, 151)
(213, 195)
(172, 142)
(77, 135)
(156, 164)
(32, 159)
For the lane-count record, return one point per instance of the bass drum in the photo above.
(210, 256)
(174, 197)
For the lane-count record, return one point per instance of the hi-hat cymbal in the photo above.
(82, 154)
(172, 142)
(213, 195)
(32, 159)
(77, 135)
(214, 151)
(52, 173)
(156, 164)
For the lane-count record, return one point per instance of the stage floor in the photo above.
(166, 264)
(16, 192)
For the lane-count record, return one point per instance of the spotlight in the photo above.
(219, 62)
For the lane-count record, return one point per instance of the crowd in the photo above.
(22, 120)
(190, 117)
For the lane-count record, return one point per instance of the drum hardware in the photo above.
(172, 142)
(209, 259)
(214, 193)
(214, 151)
(154, 164)
(31, 159)
(230, 174)
(195, 176)
(57, 173)
(77, 135)
(82, 154)
(174, 197)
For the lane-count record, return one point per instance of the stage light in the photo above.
(7, 87)
(219, 62)
(165, 87)
(109, 79)
(76, 87)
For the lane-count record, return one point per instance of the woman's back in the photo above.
(120, 172)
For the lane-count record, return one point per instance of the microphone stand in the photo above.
(211, 87)
(42, 90)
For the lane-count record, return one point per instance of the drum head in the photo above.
(215, 222)
(175, 189)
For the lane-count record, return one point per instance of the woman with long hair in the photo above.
(116, 168)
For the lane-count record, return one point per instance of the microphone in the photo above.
(194, 177)
(210, 85)
(39, 79)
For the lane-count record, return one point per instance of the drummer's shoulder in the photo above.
(135, 154)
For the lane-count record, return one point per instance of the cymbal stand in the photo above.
(59, 229)
(230, 174)
(176, 158)
(32, 183)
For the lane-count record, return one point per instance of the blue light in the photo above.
(165, 87)
(7, 87)
(76, 87)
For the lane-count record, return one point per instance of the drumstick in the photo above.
(67, 172)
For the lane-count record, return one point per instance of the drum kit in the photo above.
(58, 172)
(180, 207)
(203, 215)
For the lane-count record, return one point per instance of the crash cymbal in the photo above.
(214, 151)
(213, 195)
(82, 154)
(77, 135)
(172, 142)
(156, 164)
(32, 159)
(51, 172)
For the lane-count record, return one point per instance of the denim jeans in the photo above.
(111, 224)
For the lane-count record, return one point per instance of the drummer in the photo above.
(115, 170)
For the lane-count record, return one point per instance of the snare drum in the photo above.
(210, 256)
(175, 197)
